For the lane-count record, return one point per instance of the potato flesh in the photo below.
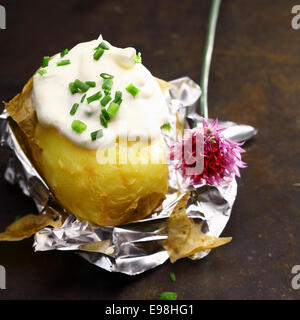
(104, 194)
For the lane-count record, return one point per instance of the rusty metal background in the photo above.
(255, 79)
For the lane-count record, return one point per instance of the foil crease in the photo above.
(136, 247)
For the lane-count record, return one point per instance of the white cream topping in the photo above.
(138, 117)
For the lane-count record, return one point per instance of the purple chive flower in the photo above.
(220, 157)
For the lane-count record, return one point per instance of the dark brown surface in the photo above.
(255, 79)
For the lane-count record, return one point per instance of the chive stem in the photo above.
(94, 97)
(168, 296)
(103, 46)
(113, 109)
(208, 49)
(105, 100)
(132, 90)
(118, 97)
(74, 109)
(106, 76)
(63, 63)
(99, 52)
(103, 120)
(78, 126)
(73, 88)
(91, 84)
(45, 61)
(42, 72)
(81, 85)
(96, 134)
(64, 52)
(166, 126)
(138, 58)
(107, 84)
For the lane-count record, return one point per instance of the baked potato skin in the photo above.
(103, 194)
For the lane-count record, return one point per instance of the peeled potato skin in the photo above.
(103, 194)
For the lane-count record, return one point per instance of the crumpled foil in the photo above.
(136, 247)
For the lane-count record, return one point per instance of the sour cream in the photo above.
(138, 117)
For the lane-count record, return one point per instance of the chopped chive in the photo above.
(99, 52)
(17, 218)
(106, 92)
(118, 97)
(212, 140)
(73, 88)
(96, 134)
(64, 52)
(172, 277)
(113, 109)
(103, 46)
(105, 114)
(107, 84)
(132, 90)
(105, 100)
(41, 72)
(103, 120)
(138, 58)
(63, 63)
(168, 296)
(81, 85)
(45, 61)
(166, 126)
(94, 97)
(83, 97)
(91, 84)
(106, 76)
(74, 109)
(78, 126)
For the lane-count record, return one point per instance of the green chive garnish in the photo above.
(103, 120)
(73, 88)
(106, 76)
(83, 97)
(168, 296)
(99, 52)
(105, 114)
(96, 134)
(63, 63)
(45, 62)
(107, 84)
(64, 52)
(113, 109)
(91, 84)
(212, 140)
(74, 109)
(94, 97)
(138, 58)
(102, 45)
(81, 85)
(78, 126)
(166, 126)
(172, 277)
(105, 100)
(133, 90)
(17, 218)
(42, 72)
(118, 97)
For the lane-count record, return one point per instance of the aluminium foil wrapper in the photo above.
(136, 247)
